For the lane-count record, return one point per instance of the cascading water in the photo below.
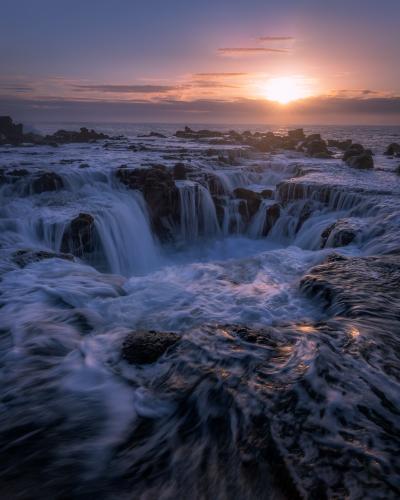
(267, 393)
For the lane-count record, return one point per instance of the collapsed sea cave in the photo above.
(199, 315)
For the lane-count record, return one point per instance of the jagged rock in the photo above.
(188, 133)
(147, 347)
(24, 257)
(267, 193)
(343, 145)
(160, 192)
(253, 200)
(48, 181)
(10, 132)
(180, 171)
(393, 149)
(154, 134)
(297, 134)
(363, 161)
(340, 234)
(353, 150)
(80, 236)
(84, 135)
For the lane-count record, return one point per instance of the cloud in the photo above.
(16, 88)
(249, 51)
(125, 89)
(219, 75)
(275, 38)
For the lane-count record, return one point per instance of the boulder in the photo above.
(47, 181)
(353, 150)
(363, 161)
(393, 149)
(253, 200)
(297, 134)
(24, 257)
(317, 149)
(10, 133)
(84, 135)
(267, 193)
(343, 145)
(339, 234)
(180, 171)
(80, 237)
(146, 347)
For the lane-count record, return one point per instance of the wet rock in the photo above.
(18, 172)
(297, 134)
(188, 133)
(253, 200)
(80, 237)
(339, 234)
(398, 170)
(147, 347)
(160, 192)
(343, 145)
(84, 165)
(359, 287)
(180, 171)
(305, 214)
(317, 149)
(273, 214)
(154, 134)
(267, 193)
(24, 257)
(10, 133)
(84, 135)
(363, 161)
(48, 181)
(353, 150)
(393, 149)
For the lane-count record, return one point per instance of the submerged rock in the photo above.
(148, 346)
(48, 181)
(339, 234)
(80, 237)
(24, 257)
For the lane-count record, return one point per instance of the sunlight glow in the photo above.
(285, 89)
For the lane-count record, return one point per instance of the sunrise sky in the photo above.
(221, 61)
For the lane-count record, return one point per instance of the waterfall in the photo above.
(197, 211)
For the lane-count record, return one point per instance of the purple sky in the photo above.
(183, 61)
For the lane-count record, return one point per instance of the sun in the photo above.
(285, 89)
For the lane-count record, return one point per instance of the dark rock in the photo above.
(297, 134)
(80, 237)
(48, 181)
(84, 165)
(353, 150)
(18, 172)
(393, 149)
(84, 135)
(343, 145)
(180, 171)
(160, 192)
(363, 161)
(273, 214)
(341, 234)
(305, 214)
(317, 149)
(267, 193)
(10, 133)
(24, 257)
(154, 134)
(253, 200)
(147, 347)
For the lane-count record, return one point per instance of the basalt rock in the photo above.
(339, 234)
(10, 133)
(363, 161)
(80, 237)
(353, 150)
(147, 347)
(160, 192)
(84, 135)
(253, 200)
(343, 145)
(393, 149)
(48, 181)
(24, 257)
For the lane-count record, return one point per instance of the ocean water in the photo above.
(213, 418)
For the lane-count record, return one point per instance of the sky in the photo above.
(220, 61)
